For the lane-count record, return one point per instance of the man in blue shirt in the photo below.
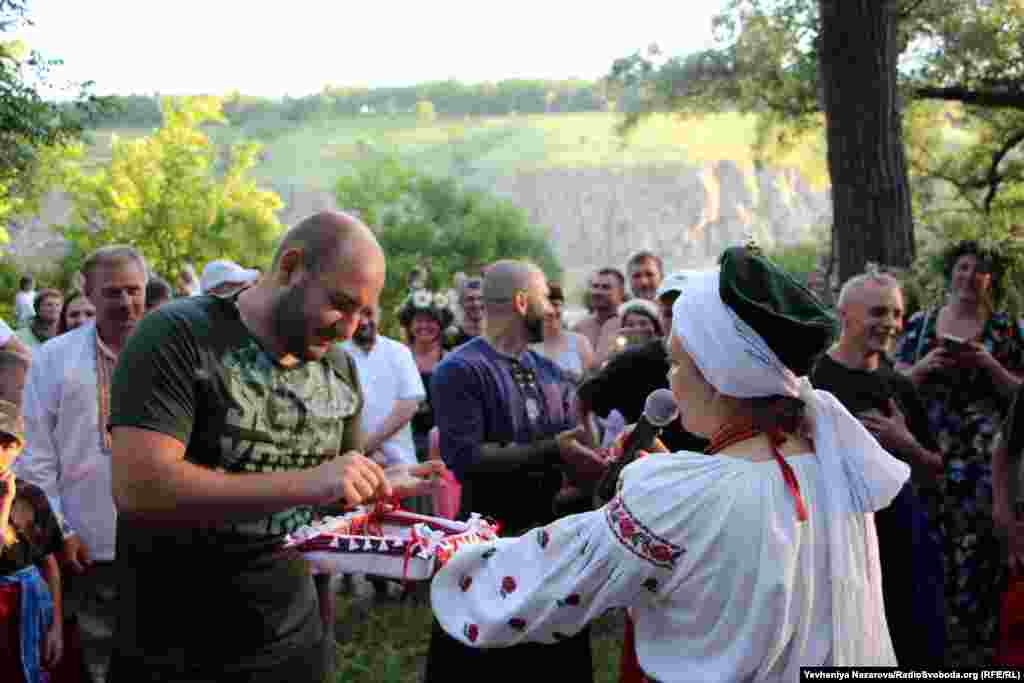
(507, 425)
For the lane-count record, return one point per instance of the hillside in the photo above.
(684, 188)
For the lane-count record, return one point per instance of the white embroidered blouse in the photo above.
(724, 583)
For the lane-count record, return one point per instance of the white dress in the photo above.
(724, 582)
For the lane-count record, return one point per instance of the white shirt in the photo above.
(724, 582)
(388, 373)
(24, 307)
(64, 452)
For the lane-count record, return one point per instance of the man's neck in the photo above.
(111, 341)
(853, 358)
(507, 338)
(603, 316)
(254, 306)
(471, 327)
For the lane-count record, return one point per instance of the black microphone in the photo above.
(659, 410)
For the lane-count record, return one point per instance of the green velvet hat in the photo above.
(794, 323)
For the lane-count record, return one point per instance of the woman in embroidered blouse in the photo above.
(742, 564)
(966, 387)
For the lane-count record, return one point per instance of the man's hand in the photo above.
(894, 436)
(53, 645)
(352, 477)
(409, 481)
(75, 555)
(892, 432)
(585, 464)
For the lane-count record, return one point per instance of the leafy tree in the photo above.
(175, 195)
(422, 220)
(28, 120)
(793, 61)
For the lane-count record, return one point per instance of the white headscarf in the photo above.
(860, 477)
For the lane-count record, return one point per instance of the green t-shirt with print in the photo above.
(222, 591)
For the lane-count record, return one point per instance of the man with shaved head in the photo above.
(506, 421)
(858, 372)
(231, 419)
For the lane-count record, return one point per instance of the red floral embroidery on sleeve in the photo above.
(471, 631)
(637, 538)
(508, 585)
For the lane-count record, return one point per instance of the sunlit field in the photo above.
(478, 149)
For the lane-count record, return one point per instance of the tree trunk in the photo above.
(872, 220)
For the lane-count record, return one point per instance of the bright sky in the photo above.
(298, 46)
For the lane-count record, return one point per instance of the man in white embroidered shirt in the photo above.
(67, 407)
(393, 390)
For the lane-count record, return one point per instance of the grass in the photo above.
(387, 642)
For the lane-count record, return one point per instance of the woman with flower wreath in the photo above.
(424, 317)
(964, 358)
(744, 563)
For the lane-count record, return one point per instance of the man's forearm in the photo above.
(399, 416)
(495, 458)
(184, 492)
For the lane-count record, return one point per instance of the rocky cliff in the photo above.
(596, 215)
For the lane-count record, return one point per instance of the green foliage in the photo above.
(448, 98)
(800, 259)
(28, 120)
(422, 220)
(765, 62)
(175, 195)
(11, 272)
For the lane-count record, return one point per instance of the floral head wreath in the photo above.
(436, 304)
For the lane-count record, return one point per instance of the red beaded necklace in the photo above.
(732, 434)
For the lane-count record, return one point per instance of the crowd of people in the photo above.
(836, 491)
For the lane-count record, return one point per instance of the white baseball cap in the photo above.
(217, 273)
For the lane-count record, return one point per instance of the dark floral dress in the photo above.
(965, 412)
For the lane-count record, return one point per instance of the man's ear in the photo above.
(521, 301)
(289, 266)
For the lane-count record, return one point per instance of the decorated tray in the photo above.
(387, 541)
